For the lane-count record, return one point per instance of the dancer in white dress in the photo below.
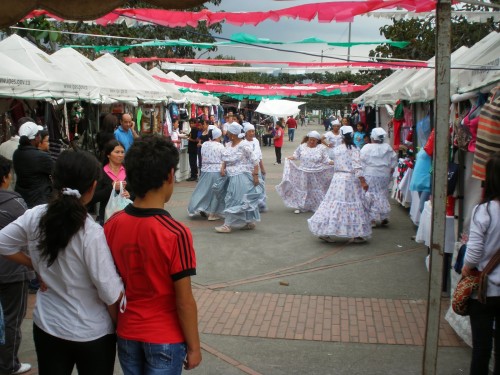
(378, 160)
(253, 142)
(203, 200)
(304, 187)
(332, 138)
(342, 213)
(244, 190)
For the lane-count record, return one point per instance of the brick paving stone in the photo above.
(318, 318)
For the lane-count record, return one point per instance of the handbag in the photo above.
(477, 280)
(117, 202)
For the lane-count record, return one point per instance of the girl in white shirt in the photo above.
(73, 320)
(483, 244)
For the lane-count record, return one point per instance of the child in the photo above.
(359, 135)
(154, 254)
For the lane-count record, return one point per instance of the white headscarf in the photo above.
(378, 134)
(247, 126)
(216, 133)
(314, 134)
(346, 129)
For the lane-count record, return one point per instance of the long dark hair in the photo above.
(5, 168)
(348, 141)
(491, 183)
(66, 214)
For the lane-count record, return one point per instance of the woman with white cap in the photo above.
(342, 212)
(378, 160)
(203, 200)
(243, 191)
(332, 138)
(303, 187)
(249, 130)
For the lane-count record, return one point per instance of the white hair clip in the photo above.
(71, 192)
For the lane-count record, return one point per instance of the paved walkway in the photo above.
(279, 301)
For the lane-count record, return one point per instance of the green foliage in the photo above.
(49, 42)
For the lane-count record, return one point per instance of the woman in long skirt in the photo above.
(203, 200)
(304, 187)
(378, 160)
(342, 212)
(243, 191)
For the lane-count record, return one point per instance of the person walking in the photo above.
(14, 279)
(158, 327)
(342, 213)
(292, 125)
(278, 141)
(378, 160)
(483, 245)
(73, 320)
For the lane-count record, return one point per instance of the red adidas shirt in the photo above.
(151, 251)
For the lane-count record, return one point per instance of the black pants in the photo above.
(277, 150)
(13, 297)
(193, 164)
(267, 139)
(482, 318)
(58, 357)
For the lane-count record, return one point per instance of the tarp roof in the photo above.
(61, 81)
(145, 89)
(279, 108)
(171, 91)
(110, 90)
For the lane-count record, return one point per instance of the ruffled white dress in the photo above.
(342, 213)
(303, 187)
(241, 196)
(203, 198)
(378, 159)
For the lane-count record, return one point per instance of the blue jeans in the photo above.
(142, 358)
(291, 134)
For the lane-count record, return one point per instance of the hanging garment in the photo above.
(488, 134)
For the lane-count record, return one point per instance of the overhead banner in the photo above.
(338, 11)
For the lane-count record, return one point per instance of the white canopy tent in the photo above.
(193, 97)
(482, 56)
(171, 91)
(17, 81)
(143, 89)
(279, 108)
(110, 90)
(61, 81)
(420, 87)
(386, 89)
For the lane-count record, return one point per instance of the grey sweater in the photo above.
(11, 207)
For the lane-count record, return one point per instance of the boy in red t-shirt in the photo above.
(155, 257)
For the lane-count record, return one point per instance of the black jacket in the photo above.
(33, 169)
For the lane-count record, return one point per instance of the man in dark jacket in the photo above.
(13, 279)
(193, 142)
(32, 166)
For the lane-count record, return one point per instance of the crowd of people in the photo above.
(124, 284)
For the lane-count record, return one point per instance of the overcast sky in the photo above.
(363, 29)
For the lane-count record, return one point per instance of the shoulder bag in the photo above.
(460, 302)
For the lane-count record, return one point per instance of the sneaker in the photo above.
(249, 226)
(192, 179)
(223, 229)
(327, 239)
(214, 217)
(277, 163)
(25, 367)
(203, 214)
(384, 222)
(296, 212)
(359, 240)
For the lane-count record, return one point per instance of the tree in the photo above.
(420, 32)
(50, 41)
